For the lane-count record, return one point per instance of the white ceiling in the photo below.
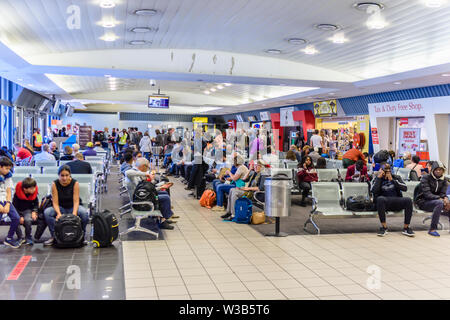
(221, 41)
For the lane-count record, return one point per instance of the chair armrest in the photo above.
(256, 199)
(314, 205)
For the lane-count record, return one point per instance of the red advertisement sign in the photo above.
(375, 136)
(403, 121)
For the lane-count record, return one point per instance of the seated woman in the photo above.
(68, 154)
(253, 184)
(66, 200)
(321, 163)
(306, 174)
(223, 188)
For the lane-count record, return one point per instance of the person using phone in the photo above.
(357, 172)
(432, 196)
(387, 195)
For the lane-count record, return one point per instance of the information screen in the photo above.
(158, 102)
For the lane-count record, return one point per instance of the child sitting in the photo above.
(7, 210)
(26, 203)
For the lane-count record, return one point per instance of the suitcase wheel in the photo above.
(95, 244)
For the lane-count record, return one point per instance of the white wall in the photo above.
(98, 121)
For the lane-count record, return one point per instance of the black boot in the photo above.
(303, 203)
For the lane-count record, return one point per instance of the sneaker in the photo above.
(408, 232)
(226, 215)
(382, 232)
(29, 241)
(166, 225)
(176, 177)
(11, 243)
(174, 217)
(217, 208)
(229, 219)
(21, 241)
(170, 221)
(49, 242)
(434, 234)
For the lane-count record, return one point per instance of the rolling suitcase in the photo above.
(105, 229)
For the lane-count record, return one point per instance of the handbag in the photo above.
(258, 217)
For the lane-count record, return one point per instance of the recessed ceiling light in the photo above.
(107, 4)
(220, 87)
(376, 19)
(19, 79)
(397, 82)
(331, 93)
(326, 27)
(138, 42)
(108, 24)
(445, 74)
(140, 29)
(296, 41)
(109, 37)
(145, 12)
(31, 85)
(362, 6)
(213, 89)
(338, 38)
(107, 75)
(273, 51)
(310, 50)
(206, 92)
(227, 84)
(434, 3)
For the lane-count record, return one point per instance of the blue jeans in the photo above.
(147, 155)
(50, 217)
(166, 159)
(13, 217)
(215, 183)
(221, 190)
(164, 204)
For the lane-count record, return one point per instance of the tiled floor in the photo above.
(207, 258)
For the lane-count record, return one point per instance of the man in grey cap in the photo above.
(432, 195)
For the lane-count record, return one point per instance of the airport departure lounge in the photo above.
(214, 150)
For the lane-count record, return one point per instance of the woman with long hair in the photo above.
(306, 174)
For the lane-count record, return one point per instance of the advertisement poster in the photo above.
(287, 117)
(265, 116)
(409, 140)
(325, 108)
(375, 136)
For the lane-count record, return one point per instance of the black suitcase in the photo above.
(68, 232)
(106, 229)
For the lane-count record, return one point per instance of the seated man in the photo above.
(177, 157)
(44, 155)
(26, 203)
(127, 163)
(98, 147)
(7, 210)
(140, 172)
(79, 166)
(387, 195)
(22, 153)
(68, 154)
(357, 172)
(252, 185)
(54, 150)
(90, 150)
(432, 196)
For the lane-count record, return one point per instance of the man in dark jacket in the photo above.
(432, 196)
(26, 203)
(387, 195)
(79, 166)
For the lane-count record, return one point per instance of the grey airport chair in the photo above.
(44, 189)
(63, 162)
(45, 178)
(45, 163)
(94, 158)
(19, 177)
(26, 170)
(139, 215)
(87, 198)
(50, 170)
(342, 173)
(325, 175)
(404, 173)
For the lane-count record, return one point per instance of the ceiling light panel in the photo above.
(145, 12)
(140, 29)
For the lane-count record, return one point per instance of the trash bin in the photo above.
(277, 200)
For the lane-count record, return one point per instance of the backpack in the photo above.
(242, 210)
(145, 191)
(100, 136)
(413, 176)
(381, 156)
(398, 163)
(208, 199)
(46, 202)
(417, 193)
(105, 229)
(69, 232)
(359, 204)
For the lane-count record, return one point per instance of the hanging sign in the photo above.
(375, 136)
(287, 117)
(326, 108)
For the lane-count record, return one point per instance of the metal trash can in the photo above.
(277, 200)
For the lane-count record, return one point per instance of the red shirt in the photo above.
(23, 154)
(354, 154)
